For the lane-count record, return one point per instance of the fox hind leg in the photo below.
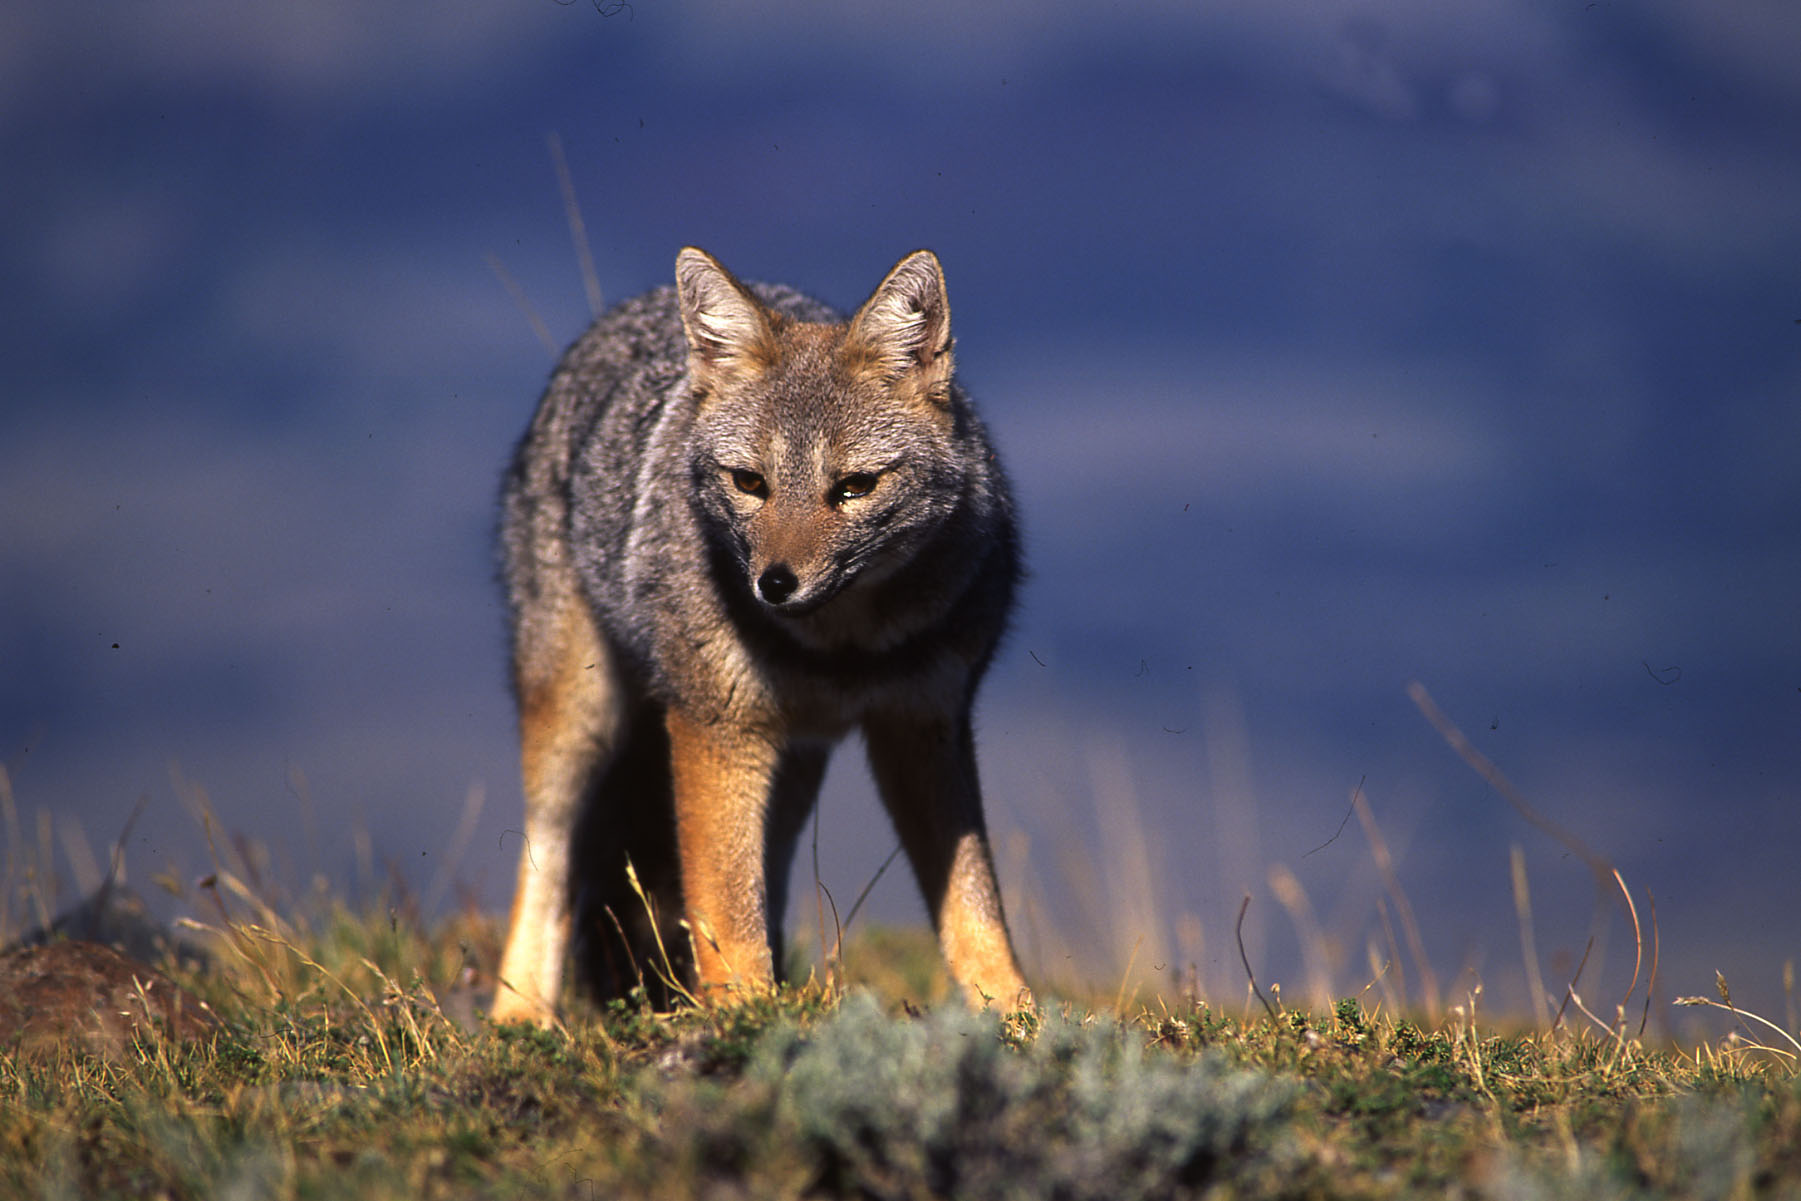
(569, 723)
(627, 936)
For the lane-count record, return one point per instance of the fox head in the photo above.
(824, 455)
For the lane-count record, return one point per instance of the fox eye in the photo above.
(860, 483)
(749, 482)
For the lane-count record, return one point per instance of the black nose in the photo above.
(777, 584)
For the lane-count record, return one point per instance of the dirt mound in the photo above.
(82, 995)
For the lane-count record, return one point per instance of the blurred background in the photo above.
(1331, 346)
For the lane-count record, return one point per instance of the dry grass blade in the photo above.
(1576, 998)
(1656, 947)
(1342, 823)
(1726, 1004)
(1606, 877)
(1485, 768)
(578, 230)
(834, 964)
(1246, 959)
(666, 969)
(1380, 970)
(1394, 953)
(1638, 938)
(838, 944)
(1392, 882)
(1522, 903)
(867, 888)
(1314, 956)
(625, 943)
(820, 895)
(1570, 989)
(1125, 979)
(525, 305)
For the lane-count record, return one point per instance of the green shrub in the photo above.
(863, 1104)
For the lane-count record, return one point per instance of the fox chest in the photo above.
(756, 678)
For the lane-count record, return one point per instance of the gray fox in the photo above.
(738, 528)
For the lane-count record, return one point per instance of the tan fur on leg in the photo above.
(568, 722)
(722, 779)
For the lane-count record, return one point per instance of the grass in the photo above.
(341, 1072)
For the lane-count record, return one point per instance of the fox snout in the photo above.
(777, 584)
(793, 589)
(792, 554)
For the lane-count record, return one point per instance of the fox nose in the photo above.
(777, 584)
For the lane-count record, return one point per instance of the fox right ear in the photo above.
(725, 324)
(904, 329)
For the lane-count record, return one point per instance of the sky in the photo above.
(1330, 347)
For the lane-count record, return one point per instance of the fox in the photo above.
(739, 527)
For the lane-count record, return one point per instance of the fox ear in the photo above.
(725, 324)
(904, 328)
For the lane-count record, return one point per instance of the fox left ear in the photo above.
(727, 329)
(904, 328)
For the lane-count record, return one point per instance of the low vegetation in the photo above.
(347, 1063)
(306, 1049)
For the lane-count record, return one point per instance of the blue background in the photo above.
(1330, 346)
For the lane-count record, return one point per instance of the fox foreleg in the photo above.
(723, 776)
(925, 770)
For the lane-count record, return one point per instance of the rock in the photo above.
(85, 996)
